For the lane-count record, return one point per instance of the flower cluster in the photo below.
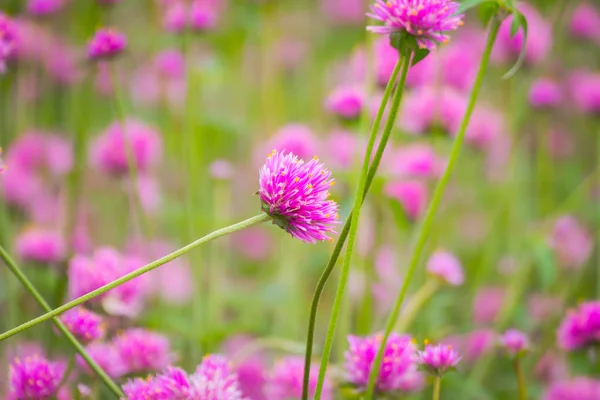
(34, 377)
(580, 327)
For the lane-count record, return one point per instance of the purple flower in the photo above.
(579, 388)
(41, 245)
(296, 195)
(84, 324)
(294, 138)
(437, 359)
(580, 327)
(571, 242)
(203, 15)
(398, 361)
(342, 148)
(105, 44)
(487, 303)
(345, 101)
(44, 7)
(34, 378)
(412, 195)
(585, 91)
(8, 36)
(109, 154)
(585, 22)
(447, 267)
(514, 342)
(426, 20)
(415, 161)
(107, 357)
(173, 384)
(545, 93)
(142, 350)
(285, 382)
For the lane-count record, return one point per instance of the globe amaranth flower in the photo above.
(579, 388)
(580, 327)
(172, 384)
(295, 193)
(398, 361)
(571, 241)
(40, 245)
(8, 36)
(514, 342)
(447, 267)
(545, 93)
(439, 358)
(106, 356)
(105, 44)
(142, 350)
(84, 324)
(285, 382)
(34, 378)
(345, 101)
(44, 7)
(585, 22)
(426, 20)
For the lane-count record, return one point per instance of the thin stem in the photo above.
(61, 327)
(140, 271)
(425, 227)
(341, 240)
(520, 379)
(417, 302)
(339, 296)
(437, 384)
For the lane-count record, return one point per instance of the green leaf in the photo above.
(468, 4)
(419, 55)
(545, 265)
(519, 21)
(486, 12)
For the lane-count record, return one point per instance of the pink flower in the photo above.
(221, 170)
(342, 148)
(412, 195)
(488, 302)
(108, 151)
(514, 342)
(41, 245)
(34, 377)
(345, 101)
(478, 342)
(106, 43)
(44, 7)
(342, 12)
(545, 93)
(107, 357)
(585, 91)
(142, 350)
(296, 195)
(285, 381)
(398, 361)
(253, 243)
(8, 38)
(174, 16)
(541, 307)
(571, 241)
(426, 20)
(251, 371)
(580, 327)
(579, 388)
(585, 22)
(203, 14)
(386, 58)
(551, 367)
(444, 265)
(2, 166)
(295, 138)
(84, 324)
(173, 384)
(415, 161)
(485, 128)
(437, 359)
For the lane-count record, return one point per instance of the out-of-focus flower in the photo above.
(172, 384)
(514, 342)
(84, 324)
(485, 128)
(296, 195)
(44, 246)
(203, 14)
(342, 148)
(253, 243)
(414, 161)
(221, 170)
(8, 36)
(108, 152)
(585, 91)
(341, 12)
(545, 93)
(105, 44)
(44, 7)
(199, 15)
(34, 377)
(345, 101)
(251, 370)
(488, 302)
(412, 195)
(571, 241)
(543, 306)
(426, 20)
(175, 16)
(285, 381)
(552, 367)
(142, 350)
(398, 361)
(539, 38)
(107, 357)
(473, 344)
(295, 138)
(579, 388)
(585, 22)
(446, 266)
(439, 358)
(580, 327)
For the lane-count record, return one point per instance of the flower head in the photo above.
(579, 388)
(398, 361)
(412, 196)
(345, 101)
(8, 36)
(34, 377)
(439, 358)
(571, 241)
(426, 20)
(285, 382)
(84, 324)
(44, 7)
(580, 327)
(447, 267)
(172, 384)
(545, 93)
(514, 342)
(295, 193)
(585, 22)
(41, 245)
(106, 43)
(215, 380)
(142, 350)
(106, 356)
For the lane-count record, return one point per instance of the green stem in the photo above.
(520, 379)
(61, 327)
(339, 296)
(140, 271)
(437, 384)
(425, 227)
(417, 302)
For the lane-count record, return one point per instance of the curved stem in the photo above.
(425, 227)
(343, 235)
(61, 327)
(339, 296)
(437, 384)
(140, 271)
(416, 303)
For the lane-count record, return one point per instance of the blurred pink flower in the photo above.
(386, 58)
(446, 266)
(251, 371)
(342, 149)
(560, 144)
(198, 15)
(585, 22)
(414, 161)
(84, 324)
(285, 381)
(170, 64)
(342, 12)
(551, 367)
(571, 241)
(585, 91)
(105, 44)
(108, 151)
(8, 40)
(485, 127)
(541, 306)
(294, 138)
(148, 190)
(41, 245)
(254, 243)
(514, 342)
(488, 302)
(578, 388)
(142, 350)
(345, 101)
(580, 327)
(107, 357)
(439, 358)
(473, 344)
(545, 93)
(44, 7)
(221, 170)
(412, 195)
(34, 377)
(428, 107)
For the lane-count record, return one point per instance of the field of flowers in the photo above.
(299, 199)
